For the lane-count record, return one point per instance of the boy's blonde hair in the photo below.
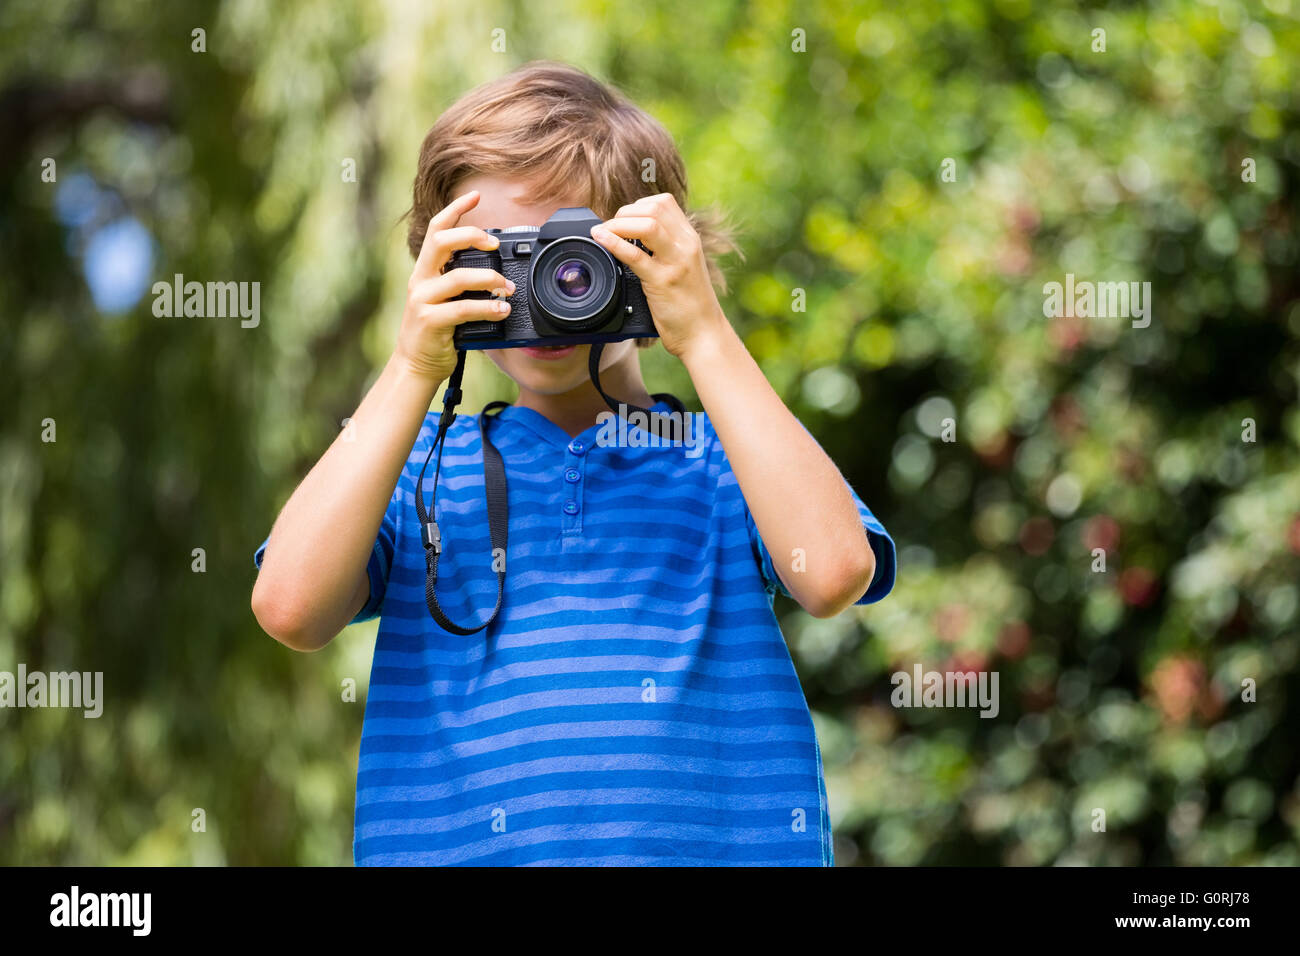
(555, 126)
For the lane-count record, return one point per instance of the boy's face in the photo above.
(549, 370)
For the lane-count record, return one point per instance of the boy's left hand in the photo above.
(676, 278)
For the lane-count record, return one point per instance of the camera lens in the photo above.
(573, 287)
(573, 278)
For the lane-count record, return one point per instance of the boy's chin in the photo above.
(549, 371)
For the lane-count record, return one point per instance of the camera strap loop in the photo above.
(494, 477)
(665, 427)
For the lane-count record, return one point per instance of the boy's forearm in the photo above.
(313, 576)
(796, 494)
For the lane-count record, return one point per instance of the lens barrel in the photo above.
(574, 285)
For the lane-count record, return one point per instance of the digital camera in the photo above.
(568, 288)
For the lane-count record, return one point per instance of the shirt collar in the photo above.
(552, 433)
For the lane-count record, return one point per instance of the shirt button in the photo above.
(571, 475)
(577, 446)
(570, 507)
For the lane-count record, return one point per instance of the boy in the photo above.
(634, 702)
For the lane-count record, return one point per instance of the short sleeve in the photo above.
(881, 543)
(377, 568)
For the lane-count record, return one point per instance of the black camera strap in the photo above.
(494, 481)
(662, 426)
(494, 478)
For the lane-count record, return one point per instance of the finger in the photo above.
(447, 217)
(648, 230)
(455, 281)
(447, 241)
(625, 252)
(671, 216)
(656, 205)
(447, 314)
(641, 207)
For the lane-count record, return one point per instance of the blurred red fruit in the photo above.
(1013, 640)
(1067, 417)
(1132, 464)
(963, 661)
(1177, 683)
(1182, 687)
(950, 622)
(1036, 536)
(1066, 332)
(996, 452)
(1023, 217)
(1101, 532)
(1013, 257)
(1138, 587)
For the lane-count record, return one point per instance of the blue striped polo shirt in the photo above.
(634, 703)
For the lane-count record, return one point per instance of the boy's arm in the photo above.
(797, 496)
(313, 578)
(794, 491)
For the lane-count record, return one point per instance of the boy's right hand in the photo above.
(424, 342)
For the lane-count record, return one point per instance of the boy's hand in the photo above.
(676, 278)
(424, 342)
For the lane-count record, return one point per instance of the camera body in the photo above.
(568, 288)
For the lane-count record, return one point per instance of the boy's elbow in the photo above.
(843, 585)
(284, 620)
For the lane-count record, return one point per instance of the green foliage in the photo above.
(1121, 690)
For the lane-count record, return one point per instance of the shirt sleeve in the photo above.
(377, 568)
(881, 543)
